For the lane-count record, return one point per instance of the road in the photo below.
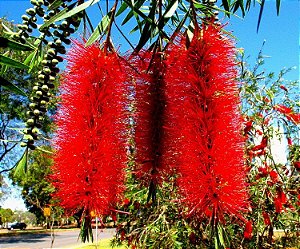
(64, 239)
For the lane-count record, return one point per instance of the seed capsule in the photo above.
(29, 138)
(54, 62)
(32, 105)
(35, 130)
(35, 88)
(43, 102)
(23, 144)
(30, 11)
(51, 78)
(58, 42)
(30, 122)
(51, 86)
(39, 93)
(33, 2)
(31, 146)
(47, 70)
(45, 88)
(64, 23)
(44, 62)
(36, 112)
(41, 77)
(51, 52)
(33, 24)
(25, 18)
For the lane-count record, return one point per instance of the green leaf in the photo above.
(57, 16)
(20, 168)
(171, 8)
(12, 63)
(11, 87)
(76, 10)
(135, 8)
(260, 14)
(43, 150)
(122, 8)
(6, 43)
(278, 6)
(55, 4)
(100, 29)
(226, 4)
(147, 30)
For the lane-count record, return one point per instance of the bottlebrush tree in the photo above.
(154, 138)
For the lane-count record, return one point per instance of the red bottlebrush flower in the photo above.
(283, 88)
(91, 136)
(274, 176)
(290, 141)
(154, 155)
(288, 112)
(294, 117)
(248, 126)
(263, 144)
(126, 202)
(206, 125)
(283, 109)
(297, 165)
(263, 171)
(148, 116)
(267, 219)
(279, 200)
(248, 230)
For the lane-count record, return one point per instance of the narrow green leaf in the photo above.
(7, 43)
(11, 87)
(20, 168)
(55, 4)
(260, 14)
(8, 30)
(12, 63)
(43, 150)
(278, 6)
(54, 18)
(122, 8)
(100, 29)
(76, 10)
(147, 30)
(57, 16)
(226, 4)
(135, 8)
(171, 8)
(29, 58)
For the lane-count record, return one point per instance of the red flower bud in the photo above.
(248, 230)
(266, 217)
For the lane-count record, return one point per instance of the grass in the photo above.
(103, 244)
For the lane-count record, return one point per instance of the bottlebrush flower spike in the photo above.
(151, 140)
(207, 125)
(91, 135)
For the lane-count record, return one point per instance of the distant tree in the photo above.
(6, 215)
(36, 189)
(25, 216)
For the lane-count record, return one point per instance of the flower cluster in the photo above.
(91, 137)
(206, 125)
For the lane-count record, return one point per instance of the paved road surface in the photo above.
(65, 239)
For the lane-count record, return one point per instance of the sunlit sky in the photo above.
(281, 34)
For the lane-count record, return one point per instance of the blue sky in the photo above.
(281, 34)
